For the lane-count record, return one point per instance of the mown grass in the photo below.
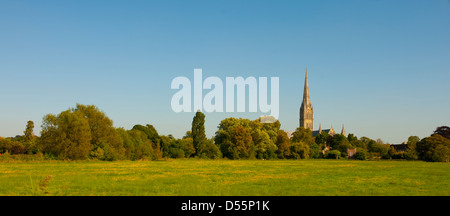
(224, 178)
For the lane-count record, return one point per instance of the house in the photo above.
(351, 153)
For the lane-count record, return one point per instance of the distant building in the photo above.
(351, 153)
(307, 114)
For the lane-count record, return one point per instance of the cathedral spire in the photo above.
(343, 130)
(306, 99)
(306, 109)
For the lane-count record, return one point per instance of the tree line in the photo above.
(85, 132)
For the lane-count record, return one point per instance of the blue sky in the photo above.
(381, 68)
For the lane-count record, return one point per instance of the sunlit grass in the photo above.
(225, 177)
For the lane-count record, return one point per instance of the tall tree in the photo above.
(434, 148)
(302, 134)
(443, 131)
(29, 137)
(103, 134)
(66, 136)
(198, 130)
(283, 143)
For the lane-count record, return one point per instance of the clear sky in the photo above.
(381, 68)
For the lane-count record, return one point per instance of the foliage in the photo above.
(434, 148)
(243, 138)
(361, 154)
(66, 135)
(198, 130)
(299, 150)
(85, 132)
(304, 135)
(443, 131)
(29, 138)
(208, 149)
(333, 154)
(283, 144)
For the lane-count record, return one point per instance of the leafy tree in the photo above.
(299, 150)
(198, 130)
(283, 145)
(443, 131)
(333, 154)
(302, 134)
(242, 143)
(441, 153)
(339, 142)
(315, 151)
(150, 131)
(434, 148)
(165, 144)
(175, 149)
(411, 153)
(10, 146)
(187, 144)
(103, 134)
(66, 136)
(29, 139)
(322, 138)
(141, 146)
(127, 143)
(361, 154)
(208, 149)
(352, 138)
(264, 146)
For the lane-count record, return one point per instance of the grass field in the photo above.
(225, 177)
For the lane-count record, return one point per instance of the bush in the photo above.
(300, 150)
(360, 154)
(333, 154)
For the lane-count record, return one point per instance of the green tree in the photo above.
(29, 136)
(66, 136)
(322, 138)
(198, 130)
(150, 132)
(283, 145)
(302, 134)
(103, 134)
(242, 143)
(361, 154)
(411, 153)
(339, 142)
(141, 146)
(333, 154)
(208, 149)
(187, 144)
(434, 148)
(299, 150)
(443, 131)
(29, 139)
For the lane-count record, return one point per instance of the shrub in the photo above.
(360, 154)
(333, 154)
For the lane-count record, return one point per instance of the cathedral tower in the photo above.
(306, 110)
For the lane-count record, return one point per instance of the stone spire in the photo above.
(306, 99)
(320, 128)
(332, 132)
(343, 130)
(306, 109)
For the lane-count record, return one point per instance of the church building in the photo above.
(307, 113)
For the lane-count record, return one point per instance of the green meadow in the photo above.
(185, 177)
